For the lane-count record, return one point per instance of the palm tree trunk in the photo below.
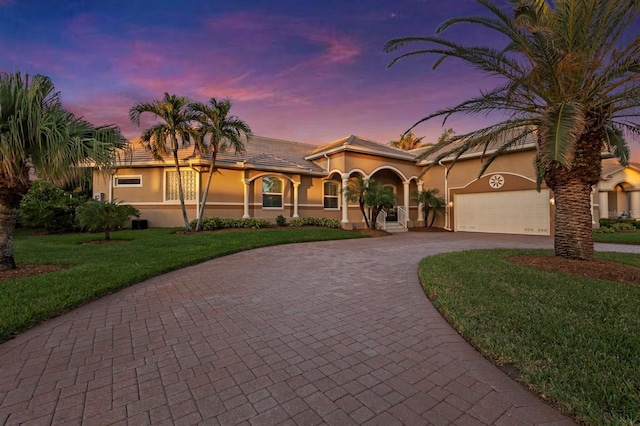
(572, 192)
(573, 220)
(206, 191)
(8, 219)
(187, 226)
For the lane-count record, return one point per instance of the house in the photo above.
(278, 177)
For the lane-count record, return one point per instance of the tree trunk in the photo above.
(364, 214)
(574, 229)
(10, 197)
(206, 191)
(8, 219)
(107, 234)
(375, 211)
(572, 192)
(187, 225)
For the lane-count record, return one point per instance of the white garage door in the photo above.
(506, 212)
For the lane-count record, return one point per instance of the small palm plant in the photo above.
(104, 216)
(431, 203)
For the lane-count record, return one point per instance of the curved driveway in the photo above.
(333, 333)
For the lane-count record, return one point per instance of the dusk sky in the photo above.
(303, 70)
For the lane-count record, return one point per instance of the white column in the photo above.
(405, 187)
(603, 204)
(420, 205)
(635, 204)
(345, 202)
(296, 185)
(246, 183)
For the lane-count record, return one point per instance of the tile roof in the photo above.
(611, 165)
(357, 143)
(261, 152)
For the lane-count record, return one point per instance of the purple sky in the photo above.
(305, 70)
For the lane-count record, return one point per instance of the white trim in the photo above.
(491, 174)
(278, 175)
(164, 186)
(337, 196)
(387, 167)
(281, 194)
(116, 177)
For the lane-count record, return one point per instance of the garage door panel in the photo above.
(507, 212)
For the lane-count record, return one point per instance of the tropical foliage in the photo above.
(48, 207)
(215, 223)
(570, 83)
(38, 134)
(166, 137)
(316, 221)
(217, 133)
(370, 196)
(104, 216)
(431, 203)
(407, 142)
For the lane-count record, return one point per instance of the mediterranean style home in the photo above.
(278, 177)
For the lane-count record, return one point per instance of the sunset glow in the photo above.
(305, 71)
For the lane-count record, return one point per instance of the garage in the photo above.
(503, 212)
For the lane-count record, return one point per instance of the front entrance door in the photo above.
(392, 214)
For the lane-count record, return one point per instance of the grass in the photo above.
(573, 340)
(618, 238)
(99, 269)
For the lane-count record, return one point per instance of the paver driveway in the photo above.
(333, 333)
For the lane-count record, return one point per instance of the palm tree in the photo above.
(162, 139)
(570, 79)
(446, 135)
(218, 131)
(104, 216)
(407, 142)
(431, 203)
(37, 133)
(369, 193)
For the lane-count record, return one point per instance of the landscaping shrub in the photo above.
(618, 225)
(604, 230)
(215, 223)
(46, 206)
(281, 220)
(623, 226)
(104, 216)
(315, 221)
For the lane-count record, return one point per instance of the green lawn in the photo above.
(618, 238)
(98, 269)
(575, 341)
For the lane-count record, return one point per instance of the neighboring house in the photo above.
(277, 177)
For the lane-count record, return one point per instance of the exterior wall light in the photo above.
(552, 201)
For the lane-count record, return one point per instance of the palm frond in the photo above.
(563, 125)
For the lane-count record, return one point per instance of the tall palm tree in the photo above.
(407, 142)
(37, 133)
(162, 139)
(570, 79)
(217, 133)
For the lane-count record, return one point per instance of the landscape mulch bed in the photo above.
(24, 271)
(597, 269)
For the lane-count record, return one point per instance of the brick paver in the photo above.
(322, 333)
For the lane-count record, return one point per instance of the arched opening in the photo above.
(620, 201)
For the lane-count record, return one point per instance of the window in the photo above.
(124, 181)
(189, 186)
(331, 195)
(271, 192)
